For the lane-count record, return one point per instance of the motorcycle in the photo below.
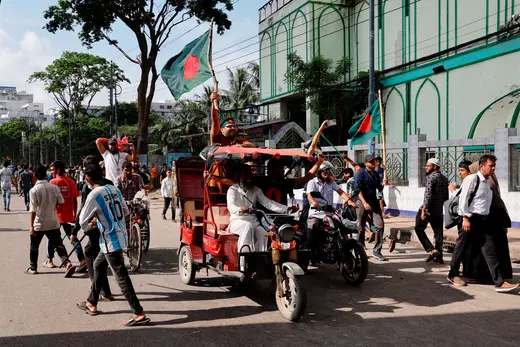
(338, 244)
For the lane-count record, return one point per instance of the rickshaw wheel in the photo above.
(135, 249)
(186, 268)
(146, 238)
(292, 306)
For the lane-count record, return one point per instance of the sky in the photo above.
(26, 48)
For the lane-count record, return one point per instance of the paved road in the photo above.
(404, 302)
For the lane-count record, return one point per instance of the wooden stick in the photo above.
(383, 136)
(210, 63)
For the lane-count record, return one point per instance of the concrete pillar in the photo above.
(350, 152)
(505, 158)
(270, 144)
(416, 160)
(312, 121)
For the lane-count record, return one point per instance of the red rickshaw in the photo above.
(206, 242)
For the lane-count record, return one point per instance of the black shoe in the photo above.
(438, 260)
(433, 254)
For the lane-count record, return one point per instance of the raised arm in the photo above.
(348, 161)
(102, 144)
(316, 138)
(215, 124)
(132, 157)
(301, 181)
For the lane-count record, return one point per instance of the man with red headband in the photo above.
(224, 134)
(114, 158)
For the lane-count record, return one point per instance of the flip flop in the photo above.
(30, 271)
(107, 298)
(82, 268)
(134, 323)
(70, 272)
(50, 266)
(83, 307)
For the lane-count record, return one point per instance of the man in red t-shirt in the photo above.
(66, 212)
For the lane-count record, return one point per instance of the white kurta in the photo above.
(251, 233)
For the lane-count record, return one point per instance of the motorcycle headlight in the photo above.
(286, 233)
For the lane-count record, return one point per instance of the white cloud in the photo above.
(18, 60)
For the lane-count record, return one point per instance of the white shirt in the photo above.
(482, 201)
(326, 190)
(107, 204)
(44, 199)
(114, 164)
(237, 197)
(167, 187)
(5, 178)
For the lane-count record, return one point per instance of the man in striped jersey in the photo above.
(106, 204)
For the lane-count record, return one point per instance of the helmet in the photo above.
(325, 167)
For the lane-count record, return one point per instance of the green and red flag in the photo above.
(367, 127)
(189, 68)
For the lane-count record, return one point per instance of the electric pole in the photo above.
(111, 94)
(371, 76)
(55, 138)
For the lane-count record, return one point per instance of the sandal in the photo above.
(70, 271)
(134, 323)
(30, 271)
(83, 306)
(49, 264)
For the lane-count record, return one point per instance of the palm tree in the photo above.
(254, 71)
(242, 92)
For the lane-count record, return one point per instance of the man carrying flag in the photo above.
(189, 69)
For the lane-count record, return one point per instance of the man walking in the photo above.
(435, 194)
(106, 203)
(66, 212)
(26, 183)
(167, 194)
(44, 199)
(474, 207)
(367, 184)
(153, 175)
(5, 182)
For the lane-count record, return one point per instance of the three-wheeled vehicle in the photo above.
(206, 242)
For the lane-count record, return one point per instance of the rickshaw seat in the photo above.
(195, 208)
(221, 215)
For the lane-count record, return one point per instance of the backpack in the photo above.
(451, 207)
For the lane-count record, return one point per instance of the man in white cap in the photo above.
(435, 194)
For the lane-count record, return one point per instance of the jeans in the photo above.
(438, 231)
(117, 264)
(6, 194)
(167, 202)
(55, 239)
(376, 217)
(305, 209)
(91, 253)
(68, 231)
(26, 197)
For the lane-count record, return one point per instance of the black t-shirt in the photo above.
(144, 176)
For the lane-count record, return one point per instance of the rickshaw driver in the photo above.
(241, 198)
(224, 134)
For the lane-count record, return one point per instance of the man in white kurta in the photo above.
(244, 224)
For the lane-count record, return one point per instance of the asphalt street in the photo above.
(404, 302)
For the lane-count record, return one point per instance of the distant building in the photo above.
(165, 109)
(19, 104)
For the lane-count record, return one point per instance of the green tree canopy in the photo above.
(150, 21)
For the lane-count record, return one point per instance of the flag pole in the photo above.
(210, 63)
(383, 135)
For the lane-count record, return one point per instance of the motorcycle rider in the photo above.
(324, 185)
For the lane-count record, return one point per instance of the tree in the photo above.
(76, 78)
(329, 94)
(150, 21)
(241, 93)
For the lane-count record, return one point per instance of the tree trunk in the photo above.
(143, 109)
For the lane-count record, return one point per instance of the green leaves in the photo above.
(76, 78)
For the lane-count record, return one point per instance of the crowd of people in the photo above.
(51, 195)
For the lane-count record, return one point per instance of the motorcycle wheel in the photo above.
(293, 305)
(354, 265)
(135, 249)
(186, 268)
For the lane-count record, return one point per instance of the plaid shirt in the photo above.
(129, 187)
(435, 193)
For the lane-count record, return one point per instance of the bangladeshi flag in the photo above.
(189, 68)
(367, 127)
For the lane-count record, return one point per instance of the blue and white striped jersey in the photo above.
(107, 205)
